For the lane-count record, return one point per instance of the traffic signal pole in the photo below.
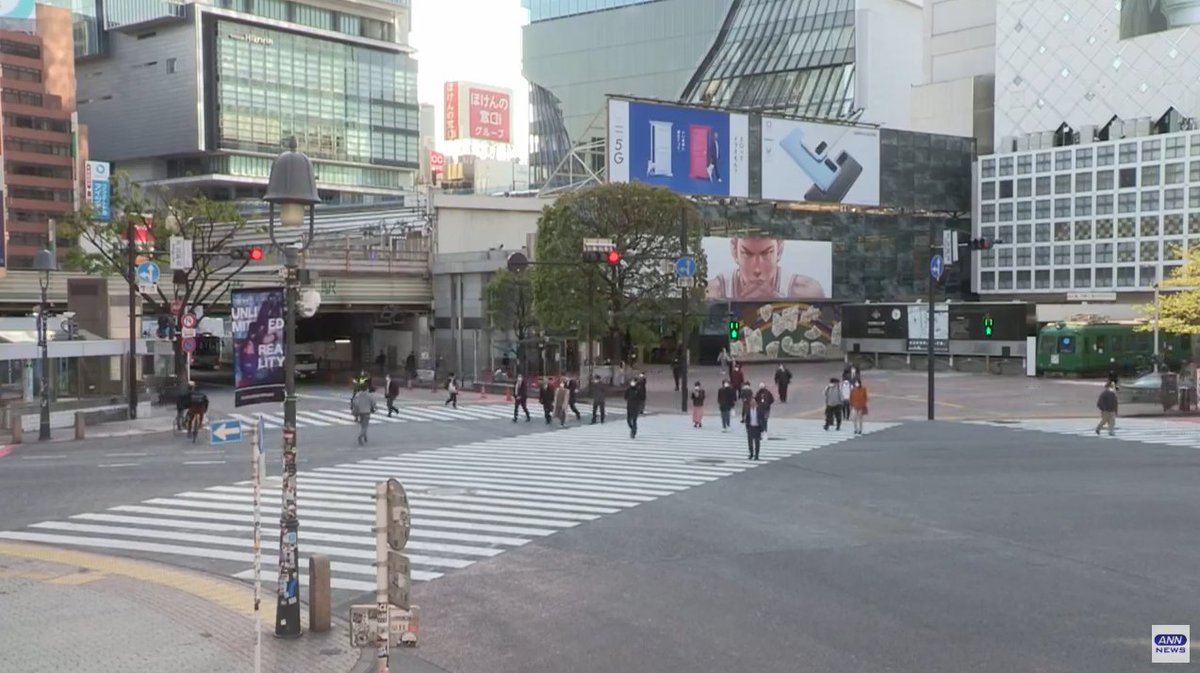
(683, 316)
(929, 393)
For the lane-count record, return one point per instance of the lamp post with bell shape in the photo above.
(293, 191)
(44, 262)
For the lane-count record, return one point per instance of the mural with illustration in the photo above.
(787, 331)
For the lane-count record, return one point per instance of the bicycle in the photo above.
(193, 422)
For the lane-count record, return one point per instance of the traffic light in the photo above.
(987, 326)
(613, 258)
(735, 330)
(253, 253)
(982, 244)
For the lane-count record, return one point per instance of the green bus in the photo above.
(1090, 348)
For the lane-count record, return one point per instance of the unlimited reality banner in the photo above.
(258, 344)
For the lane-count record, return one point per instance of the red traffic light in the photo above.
(614, 257)
(256, 254)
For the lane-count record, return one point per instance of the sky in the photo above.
(474, 41)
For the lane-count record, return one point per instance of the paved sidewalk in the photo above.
(74, 611)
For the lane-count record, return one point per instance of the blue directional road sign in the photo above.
(148, 273)
(685, 267)
(227, 431)
(936, 267)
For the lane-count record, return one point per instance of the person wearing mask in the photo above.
(746, 395)
(362, 405)
(764, 400)
(633, 407)
(520, 398)
(390, 393)
(1107, 404)
(754, 428)
(572, 393)
(560, 402)
(726, 399)
(546, 397)
(697, 405)
(736, 377)
(833, 404)
(858, 405)
(676, 372)
(452, 388)
(599, 398)
(844, 389)
(783, 378)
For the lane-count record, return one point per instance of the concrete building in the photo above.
(1093, 187)
(474, 235)
(200, 96)
(44, 147)
(476, 175)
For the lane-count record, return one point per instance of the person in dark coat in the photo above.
(391, 393)
(736, 377)
(745, 395)
(676, 372)
(572, 393)
(764, 400)
(520, 398)
(783, 378)
(546, 397)
(754, 427)
(641, 393)
(726, 399)
(1107, 404)
(633, 407)
(599, 398)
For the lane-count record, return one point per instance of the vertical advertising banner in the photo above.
(823, 163)
(450, 117)
(258, 345)
(687, 150)
(489, 109)
(98, 190)
(767, 269)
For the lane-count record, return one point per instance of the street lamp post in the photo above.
(44, 263)
(293, 189)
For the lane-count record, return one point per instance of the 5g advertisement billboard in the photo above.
(687, 150)
(822, 163)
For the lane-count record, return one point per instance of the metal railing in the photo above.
(404, 256)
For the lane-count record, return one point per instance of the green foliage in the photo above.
(509, 298)
(644, 223)
(211, 225)
(1179, 309)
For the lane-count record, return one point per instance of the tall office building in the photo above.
(198, 96)
(43, 146)
(839, 59)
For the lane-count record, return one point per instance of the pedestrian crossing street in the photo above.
(1145, 430)
(469, 502)
(321, 418)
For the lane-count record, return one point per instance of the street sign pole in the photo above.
(683, 317)
(934, 263)
(257, 469)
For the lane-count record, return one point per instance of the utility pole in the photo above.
(933, 248)
(591, 369)
(683, 316)
(131, 271)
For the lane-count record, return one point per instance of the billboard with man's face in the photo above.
(768, 269)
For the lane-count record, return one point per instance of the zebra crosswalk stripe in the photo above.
(470, 502)
(1144, 430)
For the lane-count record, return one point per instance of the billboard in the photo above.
(824, 163)
(18, 9)
(437, 162)
(258, 345)
(687, 150)
(786, 331)
(97, 189)
(767, 269)
(918, 329)
(875, 321)
(1144, 17)
(478, 112)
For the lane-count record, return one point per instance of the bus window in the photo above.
(1066, 344)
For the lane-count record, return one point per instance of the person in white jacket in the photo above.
(845, 391)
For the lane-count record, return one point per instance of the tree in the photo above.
(632, 298)
(1179, 308)
(211, 225)
(509, 297)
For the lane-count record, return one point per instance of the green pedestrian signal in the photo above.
(735, 330)
(987, 327)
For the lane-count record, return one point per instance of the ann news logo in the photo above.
(1170, 644)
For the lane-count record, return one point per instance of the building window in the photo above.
(1083, 182)
(1043, 186)
(1150, 200)
(1127, 178)
(1104, 228)
(1175, 147)
(1173, 225)
(18, 73)
(171, 66)
(1104, 277)
(987, 212)
(1083, 254)
(1041, 232)
(1042, 209)
(1148, 276)
(1024, 233)
(40, 171)
(21, 49)
(1126, 275)
(41, 194)
(1195, 144)
(37, 123)
(1024, 187)
(1083, 205)
(1062, 207)
(1006, 189)
(1006, 166)
(1151, 150)
(1042, 255)
(1149, 176)
(1148, 251)
(1083, 230)
(1127, 252)
(1062, 184)
(987, 281)
(1062, 160)
(1004, 233)
(987, 259)
(1006, 212)
(1104, 204)
(1126, 227)
(1104, 253)
(1173, 199)
(1194, 197)
(1043, 162)
(1128, 153)
(1104, 156)
(1062, 278)
(988, 191)
(1023, 281)
(1006, 280)
(1024, 210)
(1127, 203)
(1062, 255)
(1104, 180)
(1172, 250)
(987, 168)
(1149, 226)
(1024, 164)
(1083, 158)
(1174, 174)
(1083, 278)
(14, 144)
(1194, 171)
(1005, 257)
(1041, 280)
(21, 97)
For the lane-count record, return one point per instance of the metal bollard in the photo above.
(18, 434)
(318, 594)
(80, 424)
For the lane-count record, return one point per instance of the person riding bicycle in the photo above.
(195, 403)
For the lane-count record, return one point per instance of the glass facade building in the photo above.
(341, 102)
(789, 56)
(542, 10)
